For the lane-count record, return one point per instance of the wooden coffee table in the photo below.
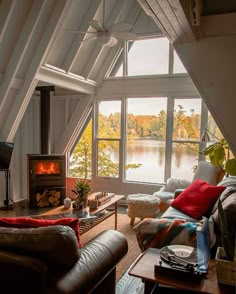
(144, 268)
(102, 212)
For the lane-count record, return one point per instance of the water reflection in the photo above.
(151, 154)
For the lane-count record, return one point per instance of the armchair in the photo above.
(49, 260)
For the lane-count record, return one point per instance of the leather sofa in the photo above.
(49, 260)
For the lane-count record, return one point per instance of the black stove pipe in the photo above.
(45, 140)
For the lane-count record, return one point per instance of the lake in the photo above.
(151, 154)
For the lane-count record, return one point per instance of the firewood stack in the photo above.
(48, 198)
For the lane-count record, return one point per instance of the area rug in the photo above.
(124, 227)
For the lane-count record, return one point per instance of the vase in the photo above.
(225, 269)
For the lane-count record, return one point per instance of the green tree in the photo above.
(81, 158)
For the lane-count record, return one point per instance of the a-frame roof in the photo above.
(37, 44)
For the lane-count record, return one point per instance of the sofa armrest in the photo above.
(98, 259)
(177, 192)
(22, 272)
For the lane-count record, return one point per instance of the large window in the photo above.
(145, 139)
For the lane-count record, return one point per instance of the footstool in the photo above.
(142, 206)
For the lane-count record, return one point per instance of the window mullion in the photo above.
(169, 134)
(125, 59)
(204, 120)
(123, 139)
(171, 59)
(94, 139)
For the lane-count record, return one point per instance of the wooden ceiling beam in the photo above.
(6, 11)
(65, 80)
(172, 17)
(10, 120)
(73, 52)
(19, 52)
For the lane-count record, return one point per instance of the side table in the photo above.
(144, 268)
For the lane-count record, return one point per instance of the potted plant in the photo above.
(225, 255)
(82, 189)
(220, 155)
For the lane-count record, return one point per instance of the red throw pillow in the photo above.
(28, 222)
(197, 198)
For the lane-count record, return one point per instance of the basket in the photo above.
(226, 270)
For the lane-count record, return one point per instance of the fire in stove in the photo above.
(47, 168)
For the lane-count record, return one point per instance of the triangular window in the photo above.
(147, 57)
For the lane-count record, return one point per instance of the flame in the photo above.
(47, 167)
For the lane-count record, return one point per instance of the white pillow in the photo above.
(175, 183)
(207, 172)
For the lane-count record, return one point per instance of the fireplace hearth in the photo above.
(46, 180)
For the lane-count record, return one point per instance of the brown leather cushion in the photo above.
(55, 245)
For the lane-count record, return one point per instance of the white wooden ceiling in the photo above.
(37, 45)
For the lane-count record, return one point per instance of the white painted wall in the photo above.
(211, 63)
(27, 140)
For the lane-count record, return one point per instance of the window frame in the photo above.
(122, 56)
(169, 124)
(96, 140)
(123, 137)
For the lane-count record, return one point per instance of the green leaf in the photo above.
(209, 149)
(230, 167)
(217, 155)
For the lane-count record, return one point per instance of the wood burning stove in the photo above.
(46, 180)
